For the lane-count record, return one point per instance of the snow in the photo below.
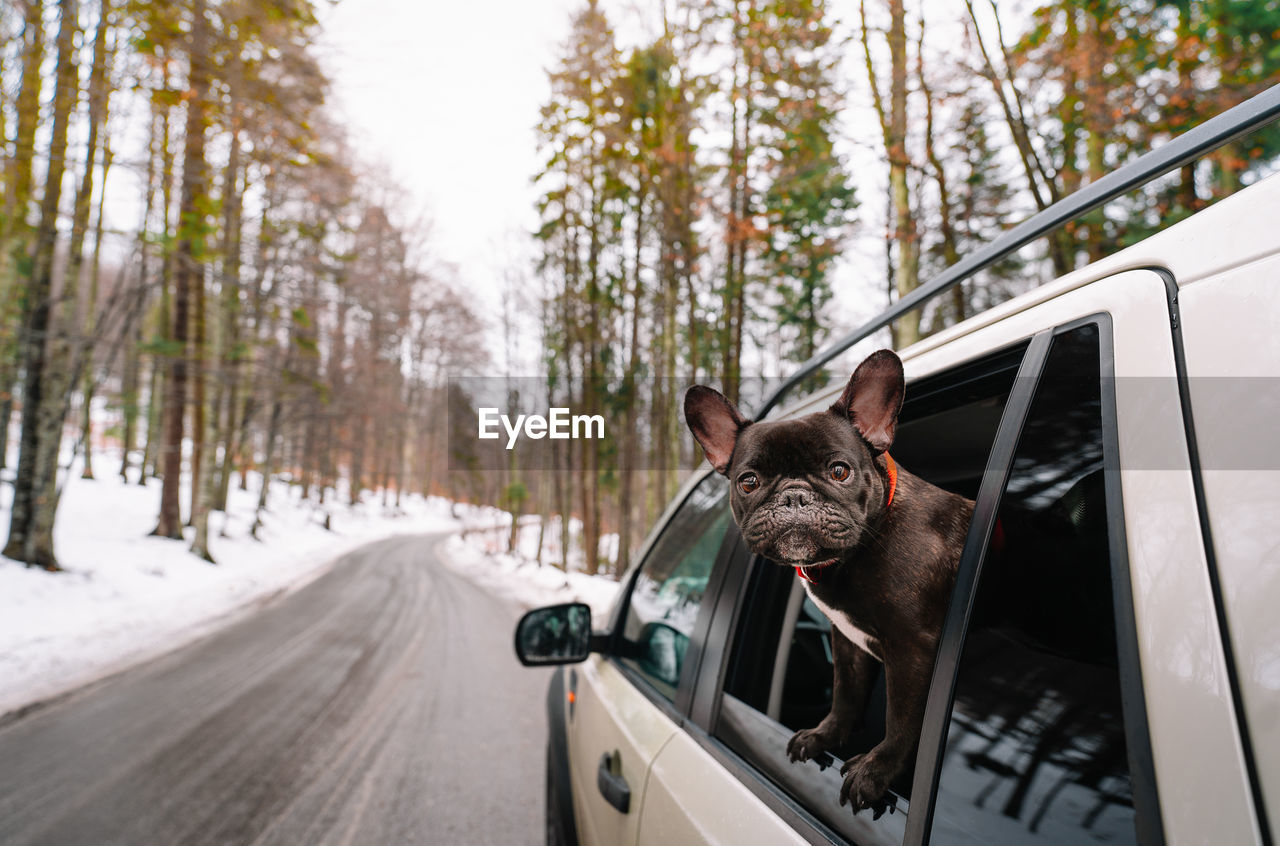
(524, 581)
(125, 597)
(481, 553)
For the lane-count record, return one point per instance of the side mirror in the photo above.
(557, 634)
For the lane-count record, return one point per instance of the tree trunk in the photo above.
(129, 400)
(89, 381)
(99, 93)
(208, 489)
(130, 384)
(66, 354)
(188, 271)
(1044, 191)
(268, 459)
(150, 468)
(15, 227)
(18, 177)
(153, 459)
(946, 212)
(627, 468)
(907, 278)
(35, 489)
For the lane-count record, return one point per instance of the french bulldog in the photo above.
(876, 547)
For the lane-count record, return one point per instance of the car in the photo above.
(1114, 678)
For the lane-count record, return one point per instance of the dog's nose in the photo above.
(796, 497)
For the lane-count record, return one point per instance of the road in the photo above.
(381, 704)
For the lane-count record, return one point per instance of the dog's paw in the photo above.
(809, 745)
(866, 783)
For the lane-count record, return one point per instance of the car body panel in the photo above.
(1189, 703)
(692, 798)
(1233, 360)
(611, 715)
(1188, 698)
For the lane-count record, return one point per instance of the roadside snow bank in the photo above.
(126, 597)
(527, 583)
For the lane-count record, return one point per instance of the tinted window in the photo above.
(669, 587)
(1036, 744)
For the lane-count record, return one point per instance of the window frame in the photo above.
(677, 710)
(732, 578)
(704, 715)
(987, 506)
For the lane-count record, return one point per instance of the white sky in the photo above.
(444, 96)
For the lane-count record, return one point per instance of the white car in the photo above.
(1121, 685)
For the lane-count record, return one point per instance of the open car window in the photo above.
(779, 676)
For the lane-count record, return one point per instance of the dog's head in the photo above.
(804, 491)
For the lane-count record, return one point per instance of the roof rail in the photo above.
(1240, 120)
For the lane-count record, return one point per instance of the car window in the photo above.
(668, 590)
(1035, 749)
(780, 672)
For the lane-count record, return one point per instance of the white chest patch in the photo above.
(857, 636)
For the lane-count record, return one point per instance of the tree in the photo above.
(579, 128)
(15, 229)
(188, 263)
(809, 199)
(35, 487)
(893, 125)
(96, 150)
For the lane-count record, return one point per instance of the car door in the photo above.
(1176, 702)
(695, 795)
(1232, 362)
(623, 704)
(1094, 459)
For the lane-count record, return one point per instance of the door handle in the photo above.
(612, 785)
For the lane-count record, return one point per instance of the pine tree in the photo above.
(579, 130)
(809, 199)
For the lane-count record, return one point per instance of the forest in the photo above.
(701, 189)
(276, 307)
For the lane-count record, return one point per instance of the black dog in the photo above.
(876, 546)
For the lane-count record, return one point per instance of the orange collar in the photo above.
(810, 572)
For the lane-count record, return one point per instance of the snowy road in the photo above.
(380, 704)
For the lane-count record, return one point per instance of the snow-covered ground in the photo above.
(126, 597)
(482, 552)
(523, 580)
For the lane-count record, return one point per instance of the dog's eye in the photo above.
(748, 483)
(839, 471)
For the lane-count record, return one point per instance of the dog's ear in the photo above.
(873, 398)
(715, 422)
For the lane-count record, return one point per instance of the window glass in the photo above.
(669, 587)
(1035, 748)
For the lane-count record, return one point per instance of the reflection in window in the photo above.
(1036, 746)
(668, 590)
